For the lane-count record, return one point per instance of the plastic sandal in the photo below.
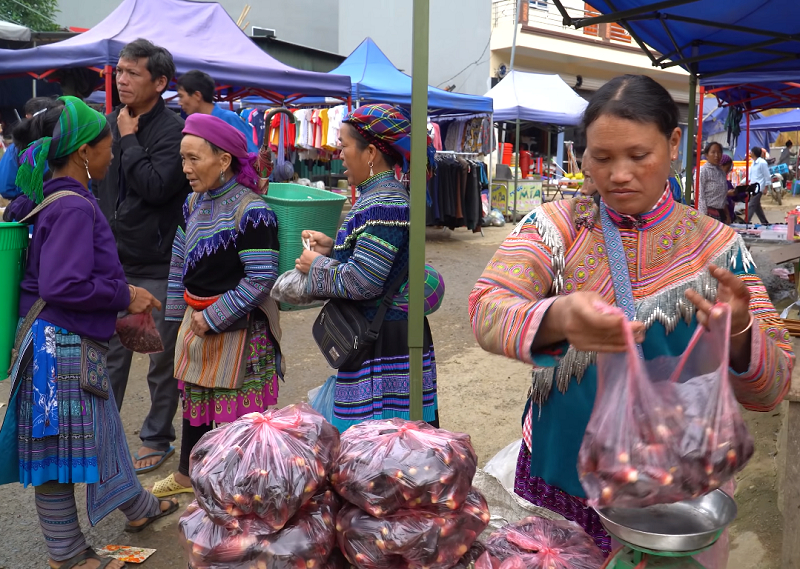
(164, 454)
(81, 559)
(170, 487)
(173, 507)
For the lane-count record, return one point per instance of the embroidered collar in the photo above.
(222, 190)
(642, 221)
(379, 179)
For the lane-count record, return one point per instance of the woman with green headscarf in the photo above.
(62, 426)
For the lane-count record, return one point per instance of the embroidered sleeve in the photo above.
(176, 305)
(258, 251)
(510, 299)
(364, 275)
(764, 385)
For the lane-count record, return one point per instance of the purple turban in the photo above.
(226, 137)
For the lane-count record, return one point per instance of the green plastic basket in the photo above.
(298, 208)
(13, 242)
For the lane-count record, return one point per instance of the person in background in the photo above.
(787, 156)
(537, 298)
(726, 164)
(759, 174)
(224, 263)
(196, 95)
(142, 197)
(713, 193)
(8, 163)
(71, 292)
(369, 253)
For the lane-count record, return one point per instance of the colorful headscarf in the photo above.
(78, 124)
(389, 129)
(228, 138)
(725, 160)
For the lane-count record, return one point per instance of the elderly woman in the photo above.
(62, 426)
(536, 301)
(713, 193)
(371, 249)
(224, 263)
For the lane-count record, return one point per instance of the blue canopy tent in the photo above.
(748, 44)
(714, 126)
(788, 121)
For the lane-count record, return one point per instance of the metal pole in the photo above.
(747, 173)
(33, 87)
(699, 143)
(690, 138)
(416, 264)
(108, 73)
(516, 27)
(516, 176)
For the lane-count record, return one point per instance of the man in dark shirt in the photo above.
(142, 196)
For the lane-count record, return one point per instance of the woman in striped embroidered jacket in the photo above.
(369, 253)
(535, 301)
(224, 263)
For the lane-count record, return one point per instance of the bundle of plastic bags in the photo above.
(308, 540)
(538, 543)
(389, 465)
(665, 430)
(292, 288)
(265, 465)
(138, 333)
(411, 539)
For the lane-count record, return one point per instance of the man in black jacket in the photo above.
(142, 196)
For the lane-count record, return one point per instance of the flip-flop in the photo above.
(81, 559)
(173, 507)
(170, 487)
(164, 454)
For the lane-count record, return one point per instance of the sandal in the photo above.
(173, 507)
(170, 487)
(164, 454)
(81, 559)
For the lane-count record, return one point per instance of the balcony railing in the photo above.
(542, 14)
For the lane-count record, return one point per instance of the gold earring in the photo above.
(371, 173)
(86, 165)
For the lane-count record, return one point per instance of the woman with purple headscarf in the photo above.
(224, 263)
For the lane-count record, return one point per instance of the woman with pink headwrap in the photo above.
(224, 263)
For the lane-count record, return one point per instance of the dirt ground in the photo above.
(480, 394)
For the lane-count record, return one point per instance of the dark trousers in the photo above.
(157, 431)
(754, 207)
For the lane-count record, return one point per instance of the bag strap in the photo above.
(55, 196)
(388, 297)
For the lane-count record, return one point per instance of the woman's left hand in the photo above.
(303, 264)
(199, 326)
(730, 290)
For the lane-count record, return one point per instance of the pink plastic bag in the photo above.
(263, 464)
(138, 333)
(411, 539)
(537, 543)
(392, 464)
(307, 540)
(664, 430)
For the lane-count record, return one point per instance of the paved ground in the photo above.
(479, 394)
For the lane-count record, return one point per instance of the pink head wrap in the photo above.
(224, 136)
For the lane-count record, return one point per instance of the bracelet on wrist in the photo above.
(746, 328)
(132, 290)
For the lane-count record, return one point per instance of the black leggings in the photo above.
(191, 435)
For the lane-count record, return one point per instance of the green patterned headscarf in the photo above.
(78, 125)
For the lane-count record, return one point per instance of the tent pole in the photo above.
(699, 143)
(747, 173)
(516, 176)
(690, 129)
(416, 261)
(108, 73)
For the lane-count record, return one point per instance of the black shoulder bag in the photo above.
(343, 333)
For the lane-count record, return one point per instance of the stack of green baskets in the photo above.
(13, 243)
(298, 208)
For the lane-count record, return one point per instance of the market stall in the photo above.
(532, 98)
(218, 47)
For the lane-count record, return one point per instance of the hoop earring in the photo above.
(86, 165)
(371, 173)
(222, 177)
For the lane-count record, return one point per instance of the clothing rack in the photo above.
(454, 153)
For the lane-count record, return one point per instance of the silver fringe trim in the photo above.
(552, 238)
(668, 307)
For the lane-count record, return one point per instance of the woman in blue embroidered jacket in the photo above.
(224, 263)
(371, 248)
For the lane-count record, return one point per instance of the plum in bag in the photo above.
(138, 333)
(263, 464)
(538, 543)
(308, 540)
(667, 429)
(411, 539)
(393, 464)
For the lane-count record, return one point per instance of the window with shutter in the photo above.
(611, 31)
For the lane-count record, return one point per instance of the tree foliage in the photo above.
(38, 15)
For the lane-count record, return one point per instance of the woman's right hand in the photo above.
(318, 241)
(589, 329)
(142, 301)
